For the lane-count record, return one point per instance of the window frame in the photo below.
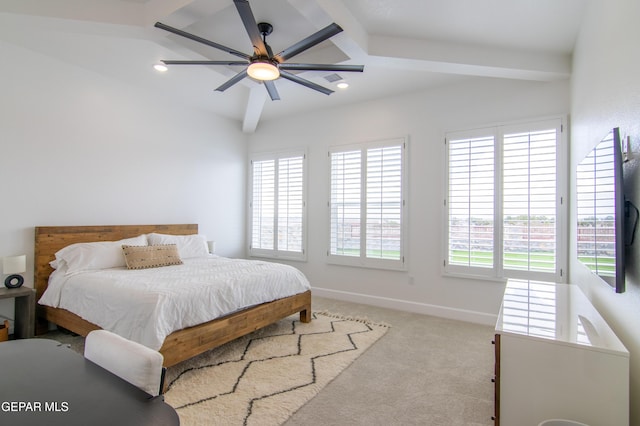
(497, 271)
(362, 260)
(276, 253)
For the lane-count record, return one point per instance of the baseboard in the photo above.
(404, 305)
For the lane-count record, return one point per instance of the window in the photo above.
(367, 205)
(277, 206)
(504, 205)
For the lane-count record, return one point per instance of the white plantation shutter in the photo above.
(471, 201)
(290, 203)
(263, 204)
(346, 171)
(278, 206)
(503, 205)
(529, 201)
(367, 205)
(384, 202)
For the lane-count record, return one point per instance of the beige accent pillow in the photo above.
(141, 257)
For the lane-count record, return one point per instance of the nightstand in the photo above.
(25, 310)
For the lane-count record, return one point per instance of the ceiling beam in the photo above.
(255, 105)
(353, 41)
(432, 56)
(454, 58)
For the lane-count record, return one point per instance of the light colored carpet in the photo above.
(262, 378)
(426, 371)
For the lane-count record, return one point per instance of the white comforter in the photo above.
(149, 304)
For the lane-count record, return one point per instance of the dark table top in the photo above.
(15, 292)
(43, 382)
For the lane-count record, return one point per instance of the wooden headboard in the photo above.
(50, 239)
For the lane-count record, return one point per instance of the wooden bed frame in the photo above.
(180, 345)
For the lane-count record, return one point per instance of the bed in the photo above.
(178, 345)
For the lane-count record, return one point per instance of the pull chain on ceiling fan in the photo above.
(263, 65)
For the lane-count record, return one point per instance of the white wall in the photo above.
(80, 149)
(606, 94)
(423, 117)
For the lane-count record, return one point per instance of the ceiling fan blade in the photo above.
(250, 24)
(305, 82)
(201, 40)
(233, 80)
(230, 63)
(318, 37)
(320, 67)
(271, 88)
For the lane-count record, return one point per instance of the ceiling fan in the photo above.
(263, 65)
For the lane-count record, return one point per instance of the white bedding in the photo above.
(149, 304)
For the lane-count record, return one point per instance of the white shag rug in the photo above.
(266, 376)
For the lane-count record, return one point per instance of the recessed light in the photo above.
(343, 85)
(160, 67)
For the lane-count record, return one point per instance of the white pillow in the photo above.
(188, 245)
(132, 361)
(93, 256)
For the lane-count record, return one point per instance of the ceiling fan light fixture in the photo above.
(263, 70)
(263, 65)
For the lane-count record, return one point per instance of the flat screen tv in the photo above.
(601, 210)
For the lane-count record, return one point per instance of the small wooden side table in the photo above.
(25, 310)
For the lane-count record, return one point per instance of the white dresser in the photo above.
(556, 357)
